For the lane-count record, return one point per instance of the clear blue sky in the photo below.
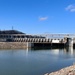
(38, 16)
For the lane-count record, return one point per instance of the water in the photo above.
(34, 62)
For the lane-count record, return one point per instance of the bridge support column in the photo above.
(30, 45)
(69, 42)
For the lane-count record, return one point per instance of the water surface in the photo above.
(34, 62)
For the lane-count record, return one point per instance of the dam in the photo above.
(17, 39)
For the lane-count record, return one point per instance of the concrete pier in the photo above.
(69, 42)
(30, 45)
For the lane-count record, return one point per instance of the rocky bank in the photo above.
(65, 71)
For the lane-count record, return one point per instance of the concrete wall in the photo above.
(13, 45)
(69, 42)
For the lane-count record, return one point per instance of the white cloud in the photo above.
(70, 8)
(43, 18)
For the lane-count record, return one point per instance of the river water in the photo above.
(34, 62)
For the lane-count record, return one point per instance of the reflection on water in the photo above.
(35, 61)
(69, 50)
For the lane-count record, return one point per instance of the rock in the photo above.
(65, 71)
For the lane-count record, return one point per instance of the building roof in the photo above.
(11, 32)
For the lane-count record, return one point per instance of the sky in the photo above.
(38, 16)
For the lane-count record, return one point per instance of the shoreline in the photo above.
(64, 71)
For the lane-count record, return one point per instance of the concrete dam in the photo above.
(16, 39)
